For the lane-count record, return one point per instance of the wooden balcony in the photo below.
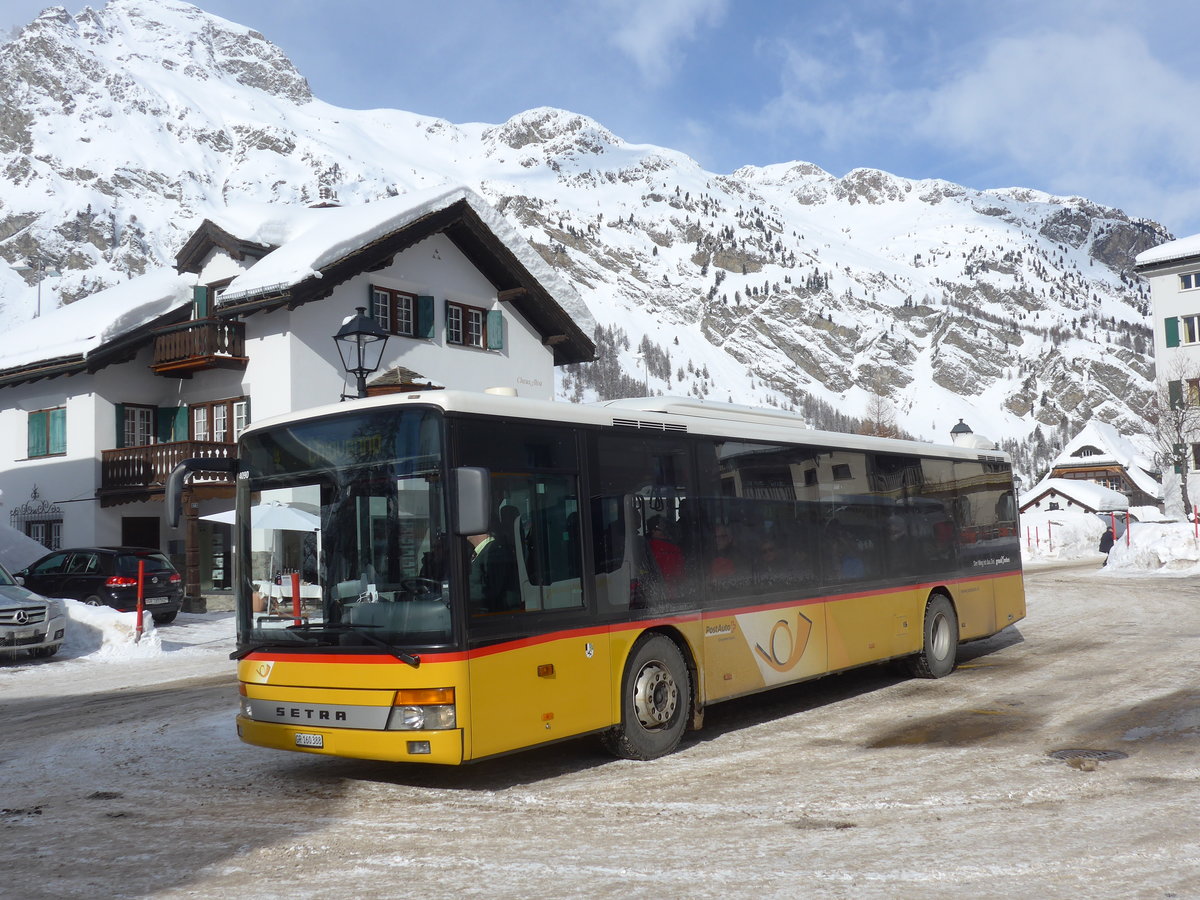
(180, 350)
(139, 473)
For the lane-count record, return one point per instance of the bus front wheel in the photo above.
(656, 701)
(939, 648)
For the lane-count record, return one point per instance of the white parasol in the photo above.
(273, 516)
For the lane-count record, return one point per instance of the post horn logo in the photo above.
(783, 648)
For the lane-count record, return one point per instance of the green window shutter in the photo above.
(1172, 326)
(1175, 394)
(180, 430)
(37, 434)
(120, 410)
(200, 304)
(58, 430)
(164, 421)
(495, 330)
(424, 323)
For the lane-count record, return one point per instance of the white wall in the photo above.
(1169, 301)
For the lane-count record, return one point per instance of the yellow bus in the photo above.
(445, 577)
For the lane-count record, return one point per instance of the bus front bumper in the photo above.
(440, 747)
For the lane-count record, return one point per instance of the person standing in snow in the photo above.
(1106, 544)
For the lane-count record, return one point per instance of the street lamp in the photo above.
(38, 264)
(360, 342)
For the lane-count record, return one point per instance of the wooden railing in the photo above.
(200, 341)
(149, 466)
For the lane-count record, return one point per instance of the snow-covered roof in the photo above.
(1086, 493)
(76, 329)
(310, 239)
(1114, 450)
(306, 240)
(1180, 249)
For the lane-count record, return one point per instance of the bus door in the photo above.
(975, 515)
(539, 668)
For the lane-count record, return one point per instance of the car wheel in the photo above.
(94, 601)
(165, 618)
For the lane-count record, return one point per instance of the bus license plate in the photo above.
(310, 740)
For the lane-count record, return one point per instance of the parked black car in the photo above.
(107, 576)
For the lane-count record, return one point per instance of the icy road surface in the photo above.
(858, 786)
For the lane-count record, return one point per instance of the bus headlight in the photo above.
(423, 709)
(422, 718)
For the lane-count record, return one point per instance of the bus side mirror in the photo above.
(176, 481)
(473, 500)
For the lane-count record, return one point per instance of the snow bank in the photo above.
(1060, 535)
(103, 634)
(1170, 548)
(1152, 547)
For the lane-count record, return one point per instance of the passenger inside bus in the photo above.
(724, 563)
(667, 555)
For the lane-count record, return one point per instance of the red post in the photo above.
(1037, 537)
(1050, 536)
(1127, 528)
(141, 597)
(296, 596)
(1028, 538)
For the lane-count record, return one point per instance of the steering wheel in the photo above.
(420, 586)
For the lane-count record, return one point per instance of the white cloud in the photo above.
(651, 32)
(1072, 110)
(1096, 114)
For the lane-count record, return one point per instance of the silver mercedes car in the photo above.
(29, 623)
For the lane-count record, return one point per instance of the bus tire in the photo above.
(656, 701)
(939, 646)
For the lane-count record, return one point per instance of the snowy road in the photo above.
(863, 785)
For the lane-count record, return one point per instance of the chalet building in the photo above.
(1099, 455)
(99, 400)
(1055, 494)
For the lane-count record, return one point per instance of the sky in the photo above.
(1095, 98)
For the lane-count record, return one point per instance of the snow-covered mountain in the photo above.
(120, 129)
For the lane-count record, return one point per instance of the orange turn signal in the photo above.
(424, 696)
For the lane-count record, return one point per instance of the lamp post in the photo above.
(360, 342)
(38, 264)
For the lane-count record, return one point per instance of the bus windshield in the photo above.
(342, 533)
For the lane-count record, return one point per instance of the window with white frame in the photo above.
(1189, 329)
(394, 311)
(241, 417)
(466, 325)
(139, 425)
(201, 431)
(1189, 281)
(454, 323)
(221, 421)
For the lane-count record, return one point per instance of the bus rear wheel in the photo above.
(656, 701)
(939, 647)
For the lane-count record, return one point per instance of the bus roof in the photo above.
(680, 415)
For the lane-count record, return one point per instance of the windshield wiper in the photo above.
(411, 658)
(266, 645)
